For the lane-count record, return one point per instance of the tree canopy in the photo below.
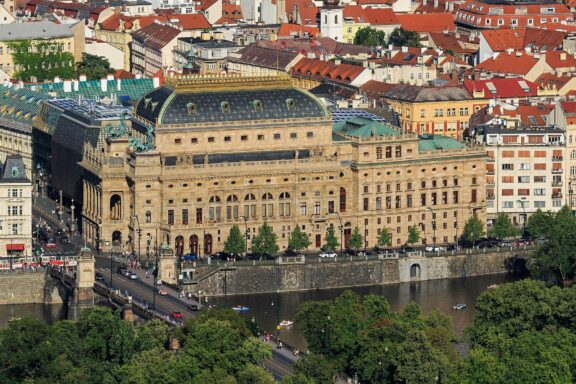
(384, 238)
(502, 227)
(235, 244)
(102, 348)
(330, 240)
(413, 234)
(370, 37)
(402, 37)
(473, 229)
(356, 240)
(265, 242)
(298, 240)
(94, 67)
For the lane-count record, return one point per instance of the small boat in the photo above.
(240, 308)
(493, 286)
(460, 307)
(286, 323)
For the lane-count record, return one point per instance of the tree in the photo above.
(298, 240)
(413, 234)
(539, 224)
(384, 238)
(265, 242)
(356, 240)
(502, 227)
(235, 244)
(94, 67)
(330, 240)
(370, 37)
(402, 37)
(473, 229)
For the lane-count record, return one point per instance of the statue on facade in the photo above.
(120, 130)
(138, 146)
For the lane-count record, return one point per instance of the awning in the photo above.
(14, 247)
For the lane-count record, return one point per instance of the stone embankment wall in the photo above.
(249, 279)
(25, 288)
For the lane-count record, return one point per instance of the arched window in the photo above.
(284, 206)
(267, 206)
(249, 208)
(342, 199)
(250, 197)
(214, 212)
(115, 207)
(232, 207)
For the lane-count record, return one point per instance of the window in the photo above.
(331, 206)
(444, 197)
(539, 204)
(148, 216)
(15, 229)
(507, 204)
(523, 179)
(244, 138)
(276, 136)
(342, 199)
(260, 137)
(211, 139)
(398, 151)
(198, 215)
(227, 138)
(366, 204)
(378, 153)
(409, 201)
(309, 134)
(378, 203)
(507, 167)
(365, 189)
(539, 179)
(539, 192)
(170, 217)
(455, 197)
(293, 135)
(398, 201)
(474, 196)
(388, 152)
(525, 166)
(303, 208)
(433, 198)
(423, 199)
(194, 140)
(184, 217)
(317, 208)
(422, 113)
(178, 141)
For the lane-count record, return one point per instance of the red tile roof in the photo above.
(354, 12)
(191, 21)
(427, 22)
(376, 89)
(551, 80)
(123, 74)
(502, 87)
(231, 11)
(309, 15)
(503, 38)
(515, 63)
(157, 35)
(449, 41)
(569, 106)
(295, 30)
(381, 16)
(538, 113)
(560, 59)
(327, 70)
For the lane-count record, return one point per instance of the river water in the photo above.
(434, 294)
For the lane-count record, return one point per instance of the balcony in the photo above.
(557, 195)
(490, 197)
(488, 172)
(556, 183)
(490, 160)
(557, 158)
(557, 170)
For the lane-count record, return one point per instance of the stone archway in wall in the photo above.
(179, 245)
(415, 271)
(194, 244)
(116, 238)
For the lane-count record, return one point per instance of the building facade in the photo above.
(525, 171)
(15, 209)
(214, 152)
(153, 49)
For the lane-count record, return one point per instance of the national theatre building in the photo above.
(201, 154)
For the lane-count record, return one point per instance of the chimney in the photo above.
(110, 77)
(311, 55)
(67, 86)
(519, 53)
(509, 51)
(404, 49)
(76, 85)
(82, 77)
(119, 84)
(57, 79)
(138, 76)
(391, 47)
(156, 82)
(563, 56)
(104, 85)
(337, 62)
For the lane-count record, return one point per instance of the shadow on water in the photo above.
(435, 294)
(50, 313)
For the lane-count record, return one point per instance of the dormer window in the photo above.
(154, 105)
(225, 107)
(290, 104)
(257, 106)
(147, 101)
(191, 108)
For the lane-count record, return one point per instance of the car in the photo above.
(190, 257)
(126, 273)
(99, 276)
(59, 232)
(162, 292)
(486, 243)
(220, 256)
(453, 247)
(386, 251)
(290, 252)
(192, 307)
(64, 240)
(434, 248)
(51, 243)
(121, 269)
(328, 254)
(505, 244)
(132, 276)
(407, 249)
(176, 314)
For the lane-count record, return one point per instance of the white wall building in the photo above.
(15, 209)
(525, 171)
(331, 19)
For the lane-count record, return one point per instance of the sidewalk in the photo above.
(45, 206)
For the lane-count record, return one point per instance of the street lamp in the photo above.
(433, 224)
(72, 227)
(139, 231)
(570, 192)
(522, 201)
(111, 263)
(245, 235)
(341, 232)
(155, 273)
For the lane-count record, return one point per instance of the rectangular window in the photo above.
(409, 201)
(378, 153)
(539, 204)
(539, 179)
(507, 167)
(260, 137)
(433, 198)
(331, 206)
(293, 135)
(444, 197)
(185, 216)
(170, 217)
(276, 136)
(507, 192)
(366, 204)
(244, 138)
(317, 208)
(523, 179)
(539, 192)
(309, 134)
(303, 208)
(227, 138)
(388, 152)
(423, 200)
(525, 166)
(474, 197)
(455, 197)
(378, 203)
(198, 215)
(507, 204)
(540, 166)
(398, 151)
(398, 201)
(210, 139)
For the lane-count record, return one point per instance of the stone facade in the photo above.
(207, 173)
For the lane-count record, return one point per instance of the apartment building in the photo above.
(525, 171)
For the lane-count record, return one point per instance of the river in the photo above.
(434, 294)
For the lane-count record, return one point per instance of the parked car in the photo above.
(192, 307)
(162, 292)
(328, 254)
(505, 244)
(453, 247)
(176, 314)
(290, 252)
(434, 248)
(407, 249)
(486, 243)
(190, 257)
(132, 276)
(64, 240)
(59, 232)
(99, 276)
(220, 256)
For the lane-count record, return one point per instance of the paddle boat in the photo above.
(460, 307)
(286, 323)
(240, 308)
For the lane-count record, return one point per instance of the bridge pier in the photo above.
(83, 294)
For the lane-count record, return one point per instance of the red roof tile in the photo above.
(502, 39)
(232, 11)
(569, 107)
(295, 30)
(560, 59)
(319, 69)
(502, 87)
(427, 22)
(354, 12)
(157, 35)
(192, 21)
(381, 16)
(509, 63)
(309, 15)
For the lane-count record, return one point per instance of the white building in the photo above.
(525, 171)
(15, 209)
(331, 19)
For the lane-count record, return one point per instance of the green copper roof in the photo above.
(437, 142)
(363, 127)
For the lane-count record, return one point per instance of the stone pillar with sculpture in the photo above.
(167, 271)
(83, 295)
